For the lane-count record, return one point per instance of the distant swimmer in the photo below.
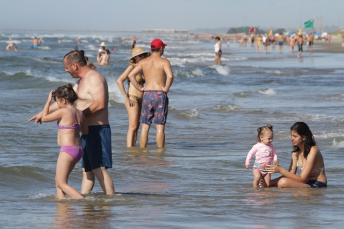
(133, 42)
(60, 41)
(101, 51)
(159, 78)
(40, 41)
(75, 47)
(104, 59)
(12, 47)
(218, 51)
(79, 40)
(34, 43)
(123, 40)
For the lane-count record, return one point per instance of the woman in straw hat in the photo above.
(133, 97)
(101, 51)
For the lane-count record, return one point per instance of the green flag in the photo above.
(243, 29)
(309, 24)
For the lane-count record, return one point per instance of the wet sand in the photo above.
(324, 47)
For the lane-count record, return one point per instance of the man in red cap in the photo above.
(159, 77)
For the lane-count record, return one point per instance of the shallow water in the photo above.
(199, 180)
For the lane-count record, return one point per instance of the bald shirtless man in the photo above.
(93, 97)
(159, 78)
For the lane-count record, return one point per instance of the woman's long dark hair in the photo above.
(303, 130)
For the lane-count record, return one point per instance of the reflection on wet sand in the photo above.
(153, 157)
(71, 215)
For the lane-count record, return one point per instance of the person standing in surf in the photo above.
(133, 97)
(218, 51)
(264, 152)
(70, 122)
(159, 78)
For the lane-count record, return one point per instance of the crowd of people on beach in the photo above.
(149, 78)
(267, 41)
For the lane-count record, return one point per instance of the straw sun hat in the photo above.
(102, 44)
(136, 52)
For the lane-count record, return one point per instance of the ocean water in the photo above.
(199, 180)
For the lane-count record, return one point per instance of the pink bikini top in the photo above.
(75, 126)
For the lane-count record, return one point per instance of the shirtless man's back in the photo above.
(159, 77)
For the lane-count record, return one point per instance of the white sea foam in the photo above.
(41, 196)
(90, 47)
(28, 72)
(268, 91)
(55, 79)
(336, 144)
(197, 72)
(277, 72)
(228, 108)
(13, 41)
(193, 113)
(188, 74)
(46, 61)
(44, 47)
(221, 69)
(114, 93)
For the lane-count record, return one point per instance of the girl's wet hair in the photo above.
(302, 129)
(66, 92)
(262, 130)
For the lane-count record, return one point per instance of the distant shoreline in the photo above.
(71, 30)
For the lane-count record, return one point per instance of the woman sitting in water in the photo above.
(133, 98)
(306, 158)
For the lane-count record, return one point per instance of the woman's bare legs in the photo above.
(289, 183)
(134, 123)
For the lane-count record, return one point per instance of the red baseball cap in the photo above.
(157, 43)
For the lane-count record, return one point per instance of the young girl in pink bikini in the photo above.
(70, 122)
(265, 153)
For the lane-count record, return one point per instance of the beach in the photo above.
(199, 179)
(334, 47)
